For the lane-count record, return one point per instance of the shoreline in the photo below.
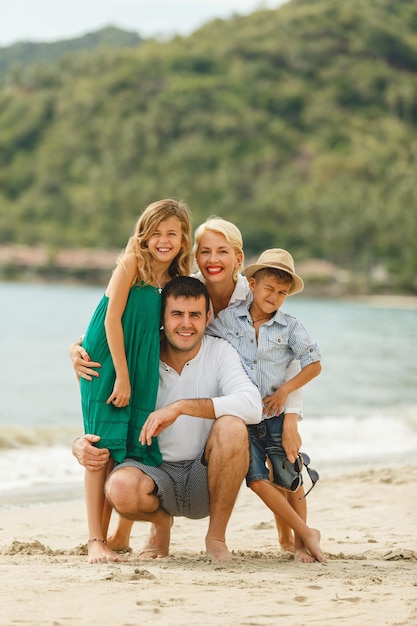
(50, 493)
(93, 267)
(41, 495)
(367, 521)
(386, 301)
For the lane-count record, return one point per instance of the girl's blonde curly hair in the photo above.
(146, 225)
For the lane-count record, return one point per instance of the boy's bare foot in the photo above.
(286, 545)
(312, 544)
(99, 552)
(285, 535)
(218, 550)
(157, 543)
(303, 556)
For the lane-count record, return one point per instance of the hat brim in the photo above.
(297, 285)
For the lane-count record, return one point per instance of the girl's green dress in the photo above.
(119, 428)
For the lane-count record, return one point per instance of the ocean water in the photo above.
(361, 409)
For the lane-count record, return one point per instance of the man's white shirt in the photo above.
(216, 372)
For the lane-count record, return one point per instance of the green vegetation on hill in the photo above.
(18, 56)
(299, 124)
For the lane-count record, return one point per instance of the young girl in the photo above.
(123, 335)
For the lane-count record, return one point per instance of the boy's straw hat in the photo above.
(279, 259)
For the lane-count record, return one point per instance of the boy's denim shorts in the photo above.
(265, 440)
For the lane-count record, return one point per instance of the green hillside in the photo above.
(299, 124)
(17, 57)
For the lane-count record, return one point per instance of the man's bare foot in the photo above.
(157, 543)
(99, 552)
(218, 550)
(312, 544)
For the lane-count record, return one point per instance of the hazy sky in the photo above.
(51, 20)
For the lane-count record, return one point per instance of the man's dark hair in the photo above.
(185, 287)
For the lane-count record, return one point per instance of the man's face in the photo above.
(185, 322)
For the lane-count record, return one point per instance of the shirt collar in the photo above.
(243, 311)
(241, 293)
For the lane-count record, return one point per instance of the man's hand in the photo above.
(81, 362)
(88, 455)
(291, 440)
(157, 422)
(162, 418)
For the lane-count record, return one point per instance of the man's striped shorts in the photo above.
(181, 486)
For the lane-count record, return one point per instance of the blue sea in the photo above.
(362, 409)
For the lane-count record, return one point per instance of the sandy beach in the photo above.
(367, 519)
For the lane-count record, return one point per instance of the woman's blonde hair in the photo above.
(146, 225)
(230, 232)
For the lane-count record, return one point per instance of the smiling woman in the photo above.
(219, 255)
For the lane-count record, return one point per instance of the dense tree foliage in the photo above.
(299, 124)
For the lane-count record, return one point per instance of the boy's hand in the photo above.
(291, 440)
(274, 405)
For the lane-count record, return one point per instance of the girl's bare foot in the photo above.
(286, 545)
(99, 552)
(157, 543)
(118, 544)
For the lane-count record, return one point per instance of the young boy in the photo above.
(267, 341)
